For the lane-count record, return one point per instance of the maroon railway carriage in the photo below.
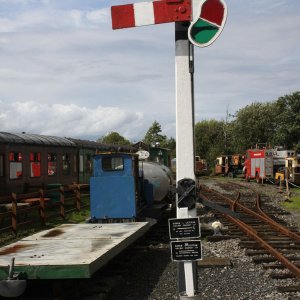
(35, 160)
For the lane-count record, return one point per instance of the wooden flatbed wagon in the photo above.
(70, 250)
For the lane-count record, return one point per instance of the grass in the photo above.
(294, 200)
(78, 217)
(70, 218)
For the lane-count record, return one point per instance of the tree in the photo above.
(153, 135)
(254, 124)
(171, 144)
(287, 129)
(271, 123)
(113, 138)
(210, 139)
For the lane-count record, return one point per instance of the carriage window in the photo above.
(1, 165)
(66, 164)
(15, 165)
(75, 164)
(35, 164)
(81, 163)
(112, 164)
(88, 164)
(52, 164)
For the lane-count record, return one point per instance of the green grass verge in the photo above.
(294, 201)
(78, 217)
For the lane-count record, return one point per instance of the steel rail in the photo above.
(253, 234)
(281, 228)
(276, 225)
(263, 217)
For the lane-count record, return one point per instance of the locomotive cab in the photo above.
(115, 192)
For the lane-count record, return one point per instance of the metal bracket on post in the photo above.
(186, 189)
(191, 61)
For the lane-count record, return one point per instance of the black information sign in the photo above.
(186, 250)
(184, 228)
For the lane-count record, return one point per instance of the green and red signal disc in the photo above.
(209, 23)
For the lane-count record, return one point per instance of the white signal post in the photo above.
(208, 22)
(185, 150)
(184, 64)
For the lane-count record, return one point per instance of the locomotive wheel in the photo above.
(230, 175)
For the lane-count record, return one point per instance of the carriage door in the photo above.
(253, 165)
(2, 178)
(262, 172)
(269, 166)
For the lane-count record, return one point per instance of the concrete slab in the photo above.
(70, 250)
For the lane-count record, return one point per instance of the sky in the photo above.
(65, 72)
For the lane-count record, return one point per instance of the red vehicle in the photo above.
(258, 164)
(200, 166)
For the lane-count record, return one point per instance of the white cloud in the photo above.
(24, 1)
(49, 18)
(98, 16)
(67, 120)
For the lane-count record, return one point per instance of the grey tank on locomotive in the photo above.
(159, 176)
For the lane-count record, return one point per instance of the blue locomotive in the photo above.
(122, 187)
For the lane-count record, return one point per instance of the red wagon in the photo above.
(259, 164)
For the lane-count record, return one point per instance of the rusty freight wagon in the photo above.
(229, 165)
(259, 164)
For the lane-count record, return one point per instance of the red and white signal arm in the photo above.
(209, 18)
(150, 13)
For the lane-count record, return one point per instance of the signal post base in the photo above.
(185, 297)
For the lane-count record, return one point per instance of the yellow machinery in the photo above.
(292, 165)
(291, 170)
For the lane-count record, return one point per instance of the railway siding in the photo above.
(283, 245)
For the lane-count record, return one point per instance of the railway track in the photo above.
(265, 237)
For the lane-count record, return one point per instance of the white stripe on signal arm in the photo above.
(143, 13)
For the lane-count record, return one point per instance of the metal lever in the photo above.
(13, 286)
